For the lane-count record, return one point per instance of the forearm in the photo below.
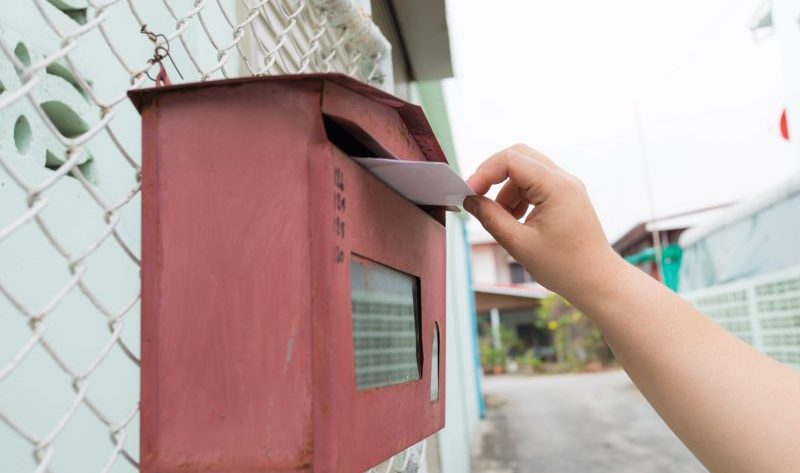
(736, 409)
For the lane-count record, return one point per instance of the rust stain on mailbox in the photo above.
(289, 299)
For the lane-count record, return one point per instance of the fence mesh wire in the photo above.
(70, 195)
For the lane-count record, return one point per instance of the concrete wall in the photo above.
(38, 393)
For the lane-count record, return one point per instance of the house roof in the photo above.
(643, 230)
(528, 291)
(508, 296)
(633, 236)
(742, 210)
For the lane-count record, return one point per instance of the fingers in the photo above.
(539, 156)
(528, 173)
(495, 219)
(519, 211)
(511, 198)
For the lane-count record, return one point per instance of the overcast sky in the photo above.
(565, 76)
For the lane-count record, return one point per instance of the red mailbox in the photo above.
(293, 306)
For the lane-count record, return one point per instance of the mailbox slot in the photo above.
(345, 140)
(353, 140)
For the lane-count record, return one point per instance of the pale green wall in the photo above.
(463, 403)
(37, 393)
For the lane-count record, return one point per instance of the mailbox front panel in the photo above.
(379, 312)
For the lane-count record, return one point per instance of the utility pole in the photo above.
(648, 189)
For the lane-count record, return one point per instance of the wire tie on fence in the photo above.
(160, 52)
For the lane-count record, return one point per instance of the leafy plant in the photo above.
(491, 356)
(576, 340)
(530, 362)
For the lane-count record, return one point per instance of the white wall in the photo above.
(484, 269)
(490, 264)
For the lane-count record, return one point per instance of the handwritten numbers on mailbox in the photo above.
(339, 205)
(338, 179)
(338, 226)
(339, 254)
(339, 201)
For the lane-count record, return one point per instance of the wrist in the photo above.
(602, 274)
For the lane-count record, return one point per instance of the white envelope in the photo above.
(421, 182)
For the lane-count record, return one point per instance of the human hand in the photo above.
(561, 243)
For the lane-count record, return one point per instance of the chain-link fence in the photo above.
(70, 194)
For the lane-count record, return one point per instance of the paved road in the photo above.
(588, 423)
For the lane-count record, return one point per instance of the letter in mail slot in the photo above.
(293, 305)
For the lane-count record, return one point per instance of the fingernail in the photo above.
(471, 205)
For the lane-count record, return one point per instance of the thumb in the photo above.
(494, 218)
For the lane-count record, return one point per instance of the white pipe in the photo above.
(363, 36)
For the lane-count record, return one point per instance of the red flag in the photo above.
(784, 126)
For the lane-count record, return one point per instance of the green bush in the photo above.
(576, 340)
(529, 362)
(491, 356)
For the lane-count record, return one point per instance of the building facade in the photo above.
(506, 299)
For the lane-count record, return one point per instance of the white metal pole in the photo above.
(649, 189)
(494, 314)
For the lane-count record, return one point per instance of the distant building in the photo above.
(742, 269)
(506, 296)
(638, 245)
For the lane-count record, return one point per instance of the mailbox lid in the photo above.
(384, 116)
